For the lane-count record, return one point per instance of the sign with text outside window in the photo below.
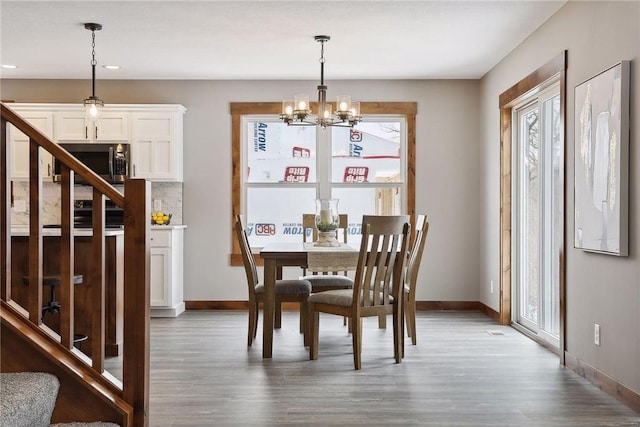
(296, 174)
(354, 174)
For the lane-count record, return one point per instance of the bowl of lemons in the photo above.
(160, 218)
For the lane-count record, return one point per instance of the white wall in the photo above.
(447, 168)
(600, 289)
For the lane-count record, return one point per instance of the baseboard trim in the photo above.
(490, 312)
(420, 306)
(447, 305)
(216, 305)
(604, 382)
(174, 311)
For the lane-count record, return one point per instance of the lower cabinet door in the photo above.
(160, 276)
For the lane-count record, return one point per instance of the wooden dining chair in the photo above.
(411, 277)
(286, 290)
(323, 279)
(378, 285)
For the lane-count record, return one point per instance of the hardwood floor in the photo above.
(458, 375)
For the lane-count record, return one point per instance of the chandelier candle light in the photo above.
(93, 105)
(297, 112)
(327, 221)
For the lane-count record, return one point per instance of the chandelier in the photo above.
(93, 105)
(297, 112)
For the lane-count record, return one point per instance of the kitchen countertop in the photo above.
(86, 232)
(53, 232)
(168, 227)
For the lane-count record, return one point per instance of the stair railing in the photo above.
(136, 205)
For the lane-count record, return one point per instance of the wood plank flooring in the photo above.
(202, 374)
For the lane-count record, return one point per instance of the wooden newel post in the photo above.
(137, 227)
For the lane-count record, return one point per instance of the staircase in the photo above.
(40, 366)
(27, 399)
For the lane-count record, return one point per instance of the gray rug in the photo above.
(27, 399)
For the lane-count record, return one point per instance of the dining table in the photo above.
(277, 255)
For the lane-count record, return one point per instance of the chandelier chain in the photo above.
(93, 48)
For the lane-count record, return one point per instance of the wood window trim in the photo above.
(531, 84)
(239, 109)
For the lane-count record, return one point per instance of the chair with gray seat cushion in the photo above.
(286, 290)
(324, 280)
(378, 285)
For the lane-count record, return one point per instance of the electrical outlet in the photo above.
(157, 205)
(596, 334)
(491, 286)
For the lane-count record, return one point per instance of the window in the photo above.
(280, 170)
(537, 213)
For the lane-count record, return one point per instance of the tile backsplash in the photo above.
(167, 194)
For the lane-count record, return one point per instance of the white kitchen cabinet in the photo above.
(19, 145)
(73, 126)
(166, 271)
(154, 132)
(156, 144)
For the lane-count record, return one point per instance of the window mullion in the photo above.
(323, 158)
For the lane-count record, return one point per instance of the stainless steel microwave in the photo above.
(109, 161)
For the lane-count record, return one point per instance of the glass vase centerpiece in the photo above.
(327, 221)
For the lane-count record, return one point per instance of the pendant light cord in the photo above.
(322, 60)
(93, 63)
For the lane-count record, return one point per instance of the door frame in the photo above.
(534, 82)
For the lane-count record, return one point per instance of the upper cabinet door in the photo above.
(112, 127)
(19, 145)
(156, 145)
(72, 126)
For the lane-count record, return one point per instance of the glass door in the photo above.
(538, 214)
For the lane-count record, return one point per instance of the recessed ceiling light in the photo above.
(111, 67)
(8, 66)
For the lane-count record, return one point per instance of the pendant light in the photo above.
(93, 105)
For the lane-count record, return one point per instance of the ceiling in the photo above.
(264, 39)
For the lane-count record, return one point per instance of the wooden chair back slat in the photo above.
(247, 257)
(415, 256)
(419, 238)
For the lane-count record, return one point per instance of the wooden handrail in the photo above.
(136, 205)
